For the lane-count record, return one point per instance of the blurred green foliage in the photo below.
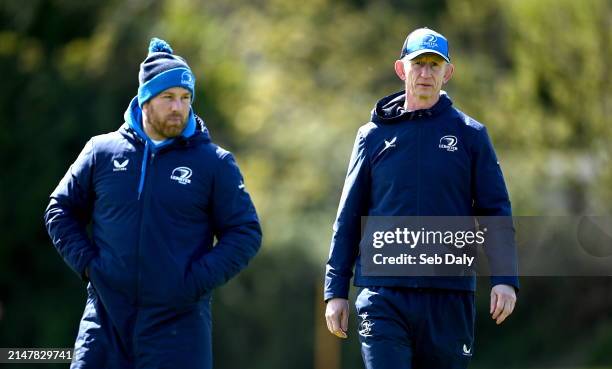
(285, 84)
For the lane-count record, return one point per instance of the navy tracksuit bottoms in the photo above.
(415, 328)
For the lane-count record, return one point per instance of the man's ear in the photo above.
(399, 70)
(448, 73)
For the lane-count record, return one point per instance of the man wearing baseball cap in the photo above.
(156, 193)
(419, 156)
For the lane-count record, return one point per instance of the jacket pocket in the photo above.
(112, 283)
(190, 287)
(198, 285)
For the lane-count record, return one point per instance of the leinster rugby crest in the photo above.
(365, 327)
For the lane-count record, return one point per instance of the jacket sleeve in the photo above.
(347, 227)
(494, 213)
(235, 225)
(69, 212)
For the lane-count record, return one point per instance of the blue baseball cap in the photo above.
(425, 40)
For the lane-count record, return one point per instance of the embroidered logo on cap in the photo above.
(187, 79)
(429, 41)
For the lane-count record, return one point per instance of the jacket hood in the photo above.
(195, 128)
(390, 109)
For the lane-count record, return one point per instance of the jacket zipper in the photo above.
(141, 200)
(142, 203)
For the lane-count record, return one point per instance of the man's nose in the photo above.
(177, 104)
(426, 70)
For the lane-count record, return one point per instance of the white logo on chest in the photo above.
(181, 175)
(120, 164)
(388, 144)
(448, 143)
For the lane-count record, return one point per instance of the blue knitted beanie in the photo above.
(162, 70)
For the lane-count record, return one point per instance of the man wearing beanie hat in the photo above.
(156, 192)
(421, 159)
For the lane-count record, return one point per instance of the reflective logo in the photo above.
(388, 144)
(120, 164)
(365, 327)
(241, 186)
(181, 175)
(187, 79)
(449, 143)
(467, 351)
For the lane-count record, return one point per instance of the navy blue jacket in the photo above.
(155, 211)
(398, 168)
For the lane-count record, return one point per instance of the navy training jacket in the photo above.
(155, 211)
(397, 168)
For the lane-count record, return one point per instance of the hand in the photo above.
(336, 316)
(503, 299)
